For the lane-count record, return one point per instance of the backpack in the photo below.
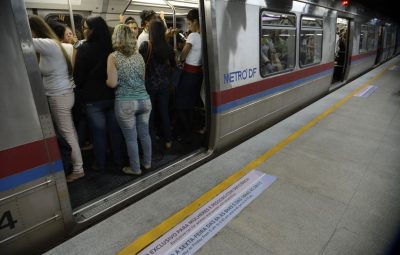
(157, 74)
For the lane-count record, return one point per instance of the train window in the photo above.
(310, 41)
(371, 42)
(277, 42)
(363, 39)
(367, 38)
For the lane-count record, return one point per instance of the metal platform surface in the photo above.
(337, 164)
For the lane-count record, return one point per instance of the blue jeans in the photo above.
(133, 118)
(102, 121)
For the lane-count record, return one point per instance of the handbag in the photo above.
(175, 76)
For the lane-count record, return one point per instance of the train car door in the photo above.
(380, 45)
(341, 49)
(34, 206)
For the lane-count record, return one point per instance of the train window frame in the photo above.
(314, 29)
(363, 42)
(291, 31)
(373, 29)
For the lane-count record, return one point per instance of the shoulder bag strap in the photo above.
(149, 49)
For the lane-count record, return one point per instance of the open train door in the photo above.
(341, 49)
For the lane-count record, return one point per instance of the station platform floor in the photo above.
(337, 169)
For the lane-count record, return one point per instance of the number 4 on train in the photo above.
(7, 220)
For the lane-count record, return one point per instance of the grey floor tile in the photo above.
(387, 156)
(345, 242)
(378, 194)
(367, 113)
(361, 220)
(391, 140)
(229, 242)
(335, 145)
(288, 219)
(354, 127)
(336, 180)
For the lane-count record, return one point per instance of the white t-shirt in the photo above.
(143, 37)
(53, 67)
(194, 56)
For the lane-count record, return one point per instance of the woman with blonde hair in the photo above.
(126, 73)
(56, 68)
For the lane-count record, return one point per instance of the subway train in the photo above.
(262, 61)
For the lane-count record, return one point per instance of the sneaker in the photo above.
(128, 170)
(145, 167)
(75, 176)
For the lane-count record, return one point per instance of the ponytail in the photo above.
(67, 58)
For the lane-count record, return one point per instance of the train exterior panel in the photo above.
(244, 100)
(33, 192)
(247, 88)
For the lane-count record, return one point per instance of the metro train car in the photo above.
(262, 61)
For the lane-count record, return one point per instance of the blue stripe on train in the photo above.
(362, 60)
(13, 181)
(247, 99)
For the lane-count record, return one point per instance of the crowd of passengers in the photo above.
(119, 85)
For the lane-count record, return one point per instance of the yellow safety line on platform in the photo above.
(146, 239)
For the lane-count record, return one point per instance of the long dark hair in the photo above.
(42, 30)
(99, 33)
(58, 28)
(160, 46)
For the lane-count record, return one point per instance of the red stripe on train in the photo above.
(28, 156)
(223, 97)
(363, 55)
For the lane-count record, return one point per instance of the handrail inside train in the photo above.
(71, 14)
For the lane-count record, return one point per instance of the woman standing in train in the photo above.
(56, 69)
(133, 25)
(90, 75)
(188, 89)
(61, 30)
(160, 60)
(146, 16)
(125, 70)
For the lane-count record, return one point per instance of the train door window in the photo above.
(277, 42)
(310, 41)
(393, 41)
(364, 37)
(390, 41)
(371, 41)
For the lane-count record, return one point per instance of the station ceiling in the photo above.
(388, 8)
